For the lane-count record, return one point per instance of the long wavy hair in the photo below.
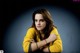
(49, 22)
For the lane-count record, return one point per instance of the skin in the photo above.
(40, 24)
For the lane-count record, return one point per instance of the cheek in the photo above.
(44, 24)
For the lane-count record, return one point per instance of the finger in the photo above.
(32, 40)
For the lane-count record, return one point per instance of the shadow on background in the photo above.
(66, 22)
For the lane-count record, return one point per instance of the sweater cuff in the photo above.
(30, 50)
(49, 50)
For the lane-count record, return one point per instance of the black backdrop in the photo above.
(12, 8)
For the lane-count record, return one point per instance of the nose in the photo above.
(38, 22)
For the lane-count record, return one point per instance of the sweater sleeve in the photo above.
(56, 46)
(27, 39)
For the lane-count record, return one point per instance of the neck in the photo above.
(41, 32)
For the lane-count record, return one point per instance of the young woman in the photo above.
(42, 36)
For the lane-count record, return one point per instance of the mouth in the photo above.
(38, 26)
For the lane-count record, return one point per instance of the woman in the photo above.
(42, 36)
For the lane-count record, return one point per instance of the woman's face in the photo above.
(40, 23)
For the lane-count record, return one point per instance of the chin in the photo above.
(39, 29)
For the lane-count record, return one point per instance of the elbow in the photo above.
(60, 48)
(25, 49)
(57, 48)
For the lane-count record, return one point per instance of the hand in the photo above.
(41, 48)
(32, 40)
(45, 49)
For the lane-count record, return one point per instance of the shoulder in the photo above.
(54, 30)
(31, 29)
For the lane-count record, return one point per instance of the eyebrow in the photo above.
(40, 19)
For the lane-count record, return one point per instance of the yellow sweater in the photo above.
(55, 46)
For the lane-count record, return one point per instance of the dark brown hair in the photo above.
(47, 17)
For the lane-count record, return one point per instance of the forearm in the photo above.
(37, 45)
(42, 43)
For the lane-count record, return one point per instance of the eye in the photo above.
(42, 20)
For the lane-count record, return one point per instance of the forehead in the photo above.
(38, 16)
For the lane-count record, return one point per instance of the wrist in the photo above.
(47, 40)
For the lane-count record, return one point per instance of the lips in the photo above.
(38, 26)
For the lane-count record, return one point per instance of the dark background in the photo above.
(12, 8)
